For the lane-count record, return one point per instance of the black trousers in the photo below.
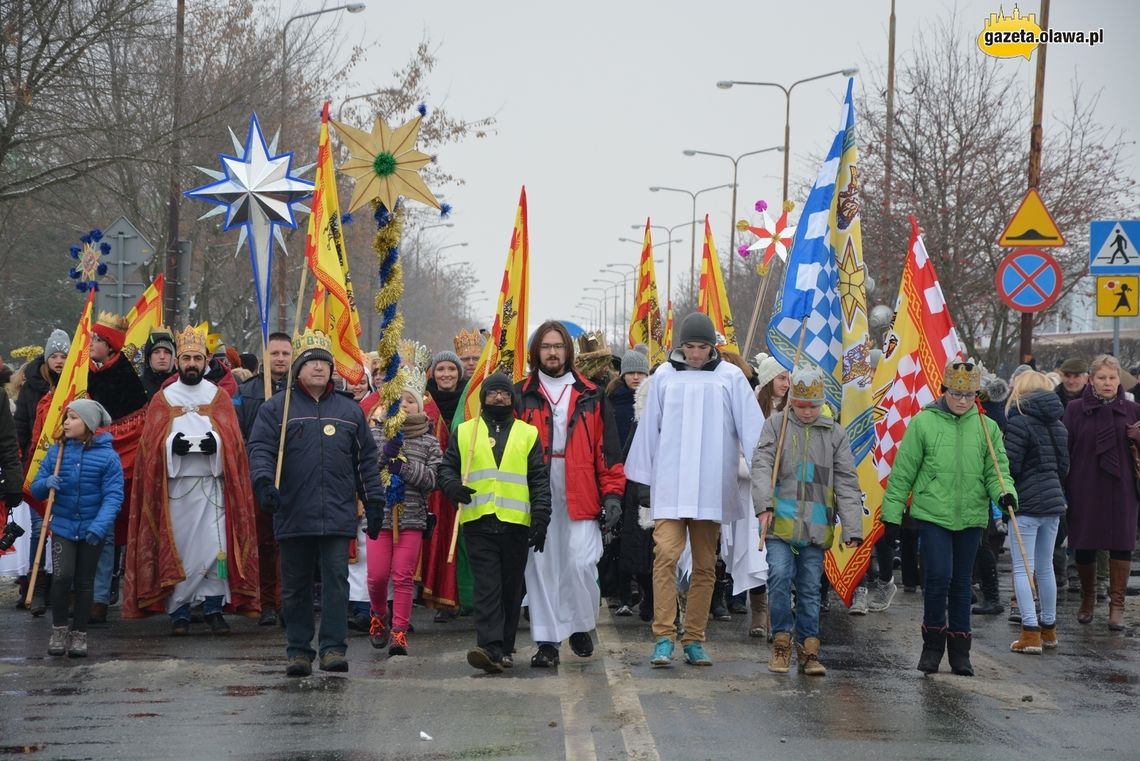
(73, 566)
(498, 562)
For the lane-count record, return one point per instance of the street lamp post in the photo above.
(601, 302)
(693, 243)
(669, 260)
(351, 8)
(385, 91)
(732, 216)
(615, 284)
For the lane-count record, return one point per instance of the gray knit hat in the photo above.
(57, 343)
(634, 362)
(698, 328)
(93, 415)
(447, 356)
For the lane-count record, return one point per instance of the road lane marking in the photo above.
(639, 744)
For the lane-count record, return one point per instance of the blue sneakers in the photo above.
(662, 653)
(695, 655)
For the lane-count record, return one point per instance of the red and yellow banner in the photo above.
(646, 326)
(712, 299)
(318, 318)
(506, 349)
(144, 316)
(669, 326)
(328, 259)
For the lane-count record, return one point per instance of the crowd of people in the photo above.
(192, 482)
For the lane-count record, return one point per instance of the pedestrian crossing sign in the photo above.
(1113, 247)
(1032, 225)
(1116, 296)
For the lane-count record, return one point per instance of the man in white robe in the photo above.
(699, 418)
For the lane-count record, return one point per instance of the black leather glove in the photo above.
(1007, 502)
(460, 494)
(537, 537)
(13, 499)
(267, 495)
(611, 512)
(181, 445)
(430, 528)
(374, 514)
(209, 444)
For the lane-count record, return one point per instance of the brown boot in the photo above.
(1118, 571)
(809, 657)
(1087, 573)
(1029, 642)
(1049, 636)
(780, 661)
(758, 600)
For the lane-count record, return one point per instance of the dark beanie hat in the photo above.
(496, 382)
(698, 328)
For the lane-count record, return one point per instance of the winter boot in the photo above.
(22, 592)
(781, 658)
(1029, 642)
(1087, 573)
(1118, 571)
(77, 644)
(718, 609)
(57, 643)
(808, 654)
(41, 598)
(933, 646)
(958, 651)
(758, 599)
(991, 598)
(1049, 636)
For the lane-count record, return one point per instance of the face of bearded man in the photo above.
(191, 367)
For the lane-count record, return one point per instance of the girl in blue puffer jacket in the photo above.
(88, 494)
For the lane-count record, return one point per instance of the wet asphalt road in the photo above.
(145, 695)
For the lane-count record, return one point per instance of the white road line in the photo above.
(576, 730)
(639, 744)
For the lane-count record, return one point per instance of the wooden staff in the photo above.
(756, 311)
(288, 381)
(1012, 517)
(784, 426)
(470, 456)
(45, 528)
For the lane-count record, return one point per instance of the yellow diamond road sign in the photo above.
(1116, 296)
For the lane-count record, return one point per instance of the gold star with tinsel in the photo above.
(385, 164)
(852, 293)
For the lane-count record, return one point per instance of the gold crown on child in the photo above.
(191, 340)
(415, 380)
(962, 376)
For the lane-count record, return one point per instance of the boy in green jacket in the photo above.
(947, 470)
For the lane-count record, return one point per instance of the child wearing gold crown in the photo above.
(394, 541)
(816, 479)
(948, 472)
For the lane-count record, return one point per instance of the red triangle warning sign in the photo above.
(1032, 225)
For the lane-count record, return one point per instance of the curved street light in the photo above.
(693, 243)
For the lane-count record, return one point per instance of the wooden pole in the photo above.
(756, 313)
(288, 380)
(467, 463)
(45, 528)
(1012, 517)
(784, 424)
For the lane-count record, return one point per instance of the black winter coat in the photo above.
(1037, 445)
(35, 388)
(621, 402)
(117, 387)
(11, 469)
(248, 401)
(330, 460)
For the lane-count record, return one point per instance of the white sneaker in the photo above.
(880, 595)
(858, 602)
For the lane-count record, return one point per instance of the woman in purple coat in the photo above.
(1102, 487)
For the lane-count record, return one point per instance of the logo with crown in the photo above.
(311, 339)
(191, 340)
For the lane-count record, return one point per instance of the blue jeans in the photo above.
(804, 566)
(1038, 533)
(210, 605)
(948, 565)
(104, 571)
(299, 557)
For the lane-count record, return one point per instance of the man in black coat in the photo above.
(158, 361)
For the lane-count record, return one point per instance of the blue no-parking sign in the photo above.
(1028, 280)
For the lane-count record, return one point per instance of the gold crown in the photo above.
(415, 354)
(468, 339)
(591, 342)
(414, 379)
(593, 356)
(112, 320)
(191, 340)
(311, 339)
(962, 376)
(807, 384)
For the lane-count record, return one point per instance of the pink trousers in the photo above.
(398, 563)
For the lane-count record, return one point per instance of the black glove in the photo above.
(13, 499)
(374, 514)
(181, 445)
(267, 495)
(209, 444)
(430, 529)
(395, 466)
(611, 513)
(94, 539)
(1007, 502)
(460, 494)
(537, 537)
(642, 495)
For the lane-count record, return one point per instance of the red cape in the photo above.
(153, 566)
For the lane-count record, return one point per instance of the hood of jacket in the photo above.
(677, 359)
(1044, 405)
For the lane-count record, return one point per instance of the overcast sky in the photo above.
(595, 102)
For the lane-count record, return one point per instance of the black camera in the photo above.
(12, 532)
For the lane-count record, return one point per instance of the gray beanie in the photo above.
(698, 328)
(767, 368)
(57, 343)
(642, 348)
(447, 356)
(93, 415)
(634, 362)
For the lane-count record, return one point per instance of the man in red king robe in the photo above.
(192, 529)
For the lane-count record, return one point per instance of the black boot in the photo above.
(988, 578)
(717, 607)
(958, 651)
(933, 646)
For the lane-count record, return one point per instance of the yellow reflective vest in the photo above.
(501, 490)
